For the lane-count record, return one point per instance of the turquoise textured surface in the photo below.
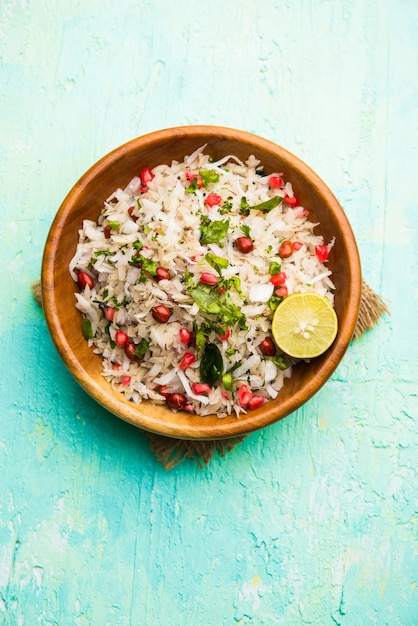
(310, 521)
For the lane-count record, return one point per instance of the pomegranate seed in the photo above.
(146, 176)
(221, 289)
(302, 213)
(107, 231)
(85, 280)
(244, 395)
(225, 336)
(199, 388)
(278, 279)
(126, 380)
(121, 338)
(131, 213)
(176, 401)
(163, 390)
(116, 366)
(130, 348)
(282, 292)
(286, 249)
(291, 201)
(213, 199)
(224, 395)
(187, 360)
(161, 313)
(209, 279)
(297, 245)
(244, 244)
(162, 274)
(322, 252)
(109, 313)
(189, 408)
(267, 346)
(275, 182)
(255, 402)
(185, 336)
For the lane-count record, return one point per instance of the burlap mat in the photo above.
(170, 452)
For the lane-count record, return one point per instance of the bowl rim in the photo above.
(131, 412)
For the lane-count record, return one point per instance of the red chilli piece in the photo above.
(322, 253)
(107, 231)
(291, 201)
(207, 278)
(187, 360)
(85, 280)
(146, 176)
(126, 380)
(275, 182)
(121, 338)
(297, 245)
(213, 200)
(244, 395)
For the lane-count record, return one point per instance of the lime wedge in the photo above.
(304, 325)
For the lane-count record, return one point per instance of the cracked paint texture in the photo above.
(312, 521)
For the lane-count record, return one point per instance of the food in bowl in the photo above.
(180, 278)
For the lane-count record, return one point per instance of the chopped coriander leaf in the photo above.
(193, 186)
(188, 279)
(213, 231)
(246, 230)
(235, 281)
(226, 206)
(208, 176)
(217, 262)
(210, 301)
(244, 207)
(141, 348)
(137, 245)
(114, 225)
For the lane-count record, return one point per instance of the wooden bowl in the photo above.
(85, 200)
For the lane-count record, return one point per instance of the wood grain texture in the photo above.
(309, 521)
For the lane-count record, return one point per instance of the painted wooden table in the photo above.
(310, 521)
